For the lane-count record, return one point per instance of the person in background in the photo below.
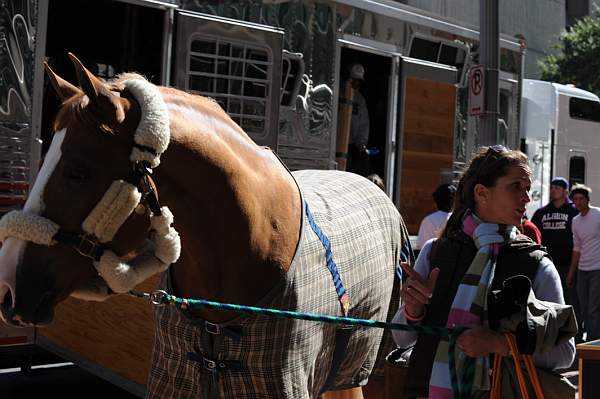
(554, 221)
(530, 230)
(479, 250)
(377, 180)
(433, 224)
(358, 154)
(585, 262)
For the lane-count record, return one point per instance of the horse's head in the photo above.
(84, 204)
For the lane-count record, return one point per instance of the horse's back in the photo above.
(287, 358)
(366, 234)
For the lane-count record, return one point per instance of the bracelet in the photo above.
(412, 318)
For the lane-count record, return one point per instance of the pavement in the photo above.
(59, 380)
(50, 376)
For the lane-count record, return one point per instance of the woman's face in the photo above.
(505, 202)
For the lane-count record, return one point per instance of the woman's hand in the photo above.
(481, 341)
(417, 291)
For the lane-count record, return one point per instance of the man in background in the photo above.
(358, 157)
(585, 262)
(554, 221)
(433, 224)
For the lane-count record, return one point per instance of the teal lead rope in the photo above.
(461, 389)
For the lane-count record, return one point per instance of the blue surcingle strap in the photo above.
(331, 265)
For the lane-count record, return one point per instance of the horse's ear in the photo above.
(64, 90)
(99, 94)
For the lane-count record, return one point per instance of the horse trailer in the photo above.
(277, 68)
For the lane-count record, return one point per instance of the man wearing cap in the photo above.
(585, 262)
(554, 222)
(358, 161)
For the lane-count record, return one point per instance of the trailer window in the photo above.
(576, 170)
(435, 51)
(237, 75)
(584, 109)
(424, 49)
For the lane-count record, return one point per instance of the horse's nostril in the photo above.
(7, 300)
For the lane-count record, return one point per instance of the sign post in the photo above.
(477, 90)
(489, 55)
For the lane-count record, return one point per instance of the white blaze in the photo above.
(12, 249)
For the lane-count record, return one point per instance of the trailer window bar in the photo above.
(292, 71)
(237, 75)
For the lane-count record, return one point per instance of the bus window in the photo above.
(576, 170)
(584, 109)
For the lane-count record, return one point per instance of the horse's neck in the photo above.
(237, 210)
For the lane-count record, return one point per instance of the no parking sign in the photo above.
(477, 90)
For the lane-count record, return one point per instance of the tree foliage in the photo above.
(577, 60)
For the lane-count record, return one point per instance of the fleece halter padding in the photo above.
(163, 248)
(120, 200)
(122, 277)
(28, 227)
(153, 130)
(112, 211)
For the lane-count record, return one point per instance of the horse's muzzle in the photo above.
(42, 315)
(7, 311)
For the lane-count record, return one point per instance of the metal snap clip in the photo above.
(157, 298)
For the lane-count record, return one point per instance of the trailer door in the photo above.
(236, 63)
(426, 137)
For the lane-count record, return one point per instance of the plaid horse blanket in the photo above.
(262, 357)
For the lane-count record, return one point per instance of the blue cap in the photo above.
(561, 182)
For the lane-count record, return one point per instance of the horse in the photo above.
(236, 226)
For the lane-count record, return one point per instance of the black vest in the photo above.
(453, 256)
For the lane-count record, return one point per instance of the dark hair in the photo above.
(444, 197)
(488, 164)
(580, 189)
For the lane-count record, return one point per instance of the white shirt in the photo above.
(431, 227)
(586, 239)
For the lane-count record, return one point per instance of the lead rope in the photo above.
(496, 392)
(162, 298)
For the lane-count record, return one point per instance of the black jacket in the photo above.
(453, 256)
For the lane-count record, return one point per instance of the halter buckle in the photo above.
(87, 246)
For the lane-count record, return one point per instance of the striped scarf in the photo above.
(469, 308)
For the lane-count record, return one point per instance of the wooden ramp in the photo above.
(111, 339)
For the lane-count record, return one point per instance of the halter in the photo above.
(122, 198)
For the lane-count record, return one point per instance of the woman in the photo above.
(478, 250)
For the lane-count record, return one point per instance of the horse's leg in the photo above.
(353, 393)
